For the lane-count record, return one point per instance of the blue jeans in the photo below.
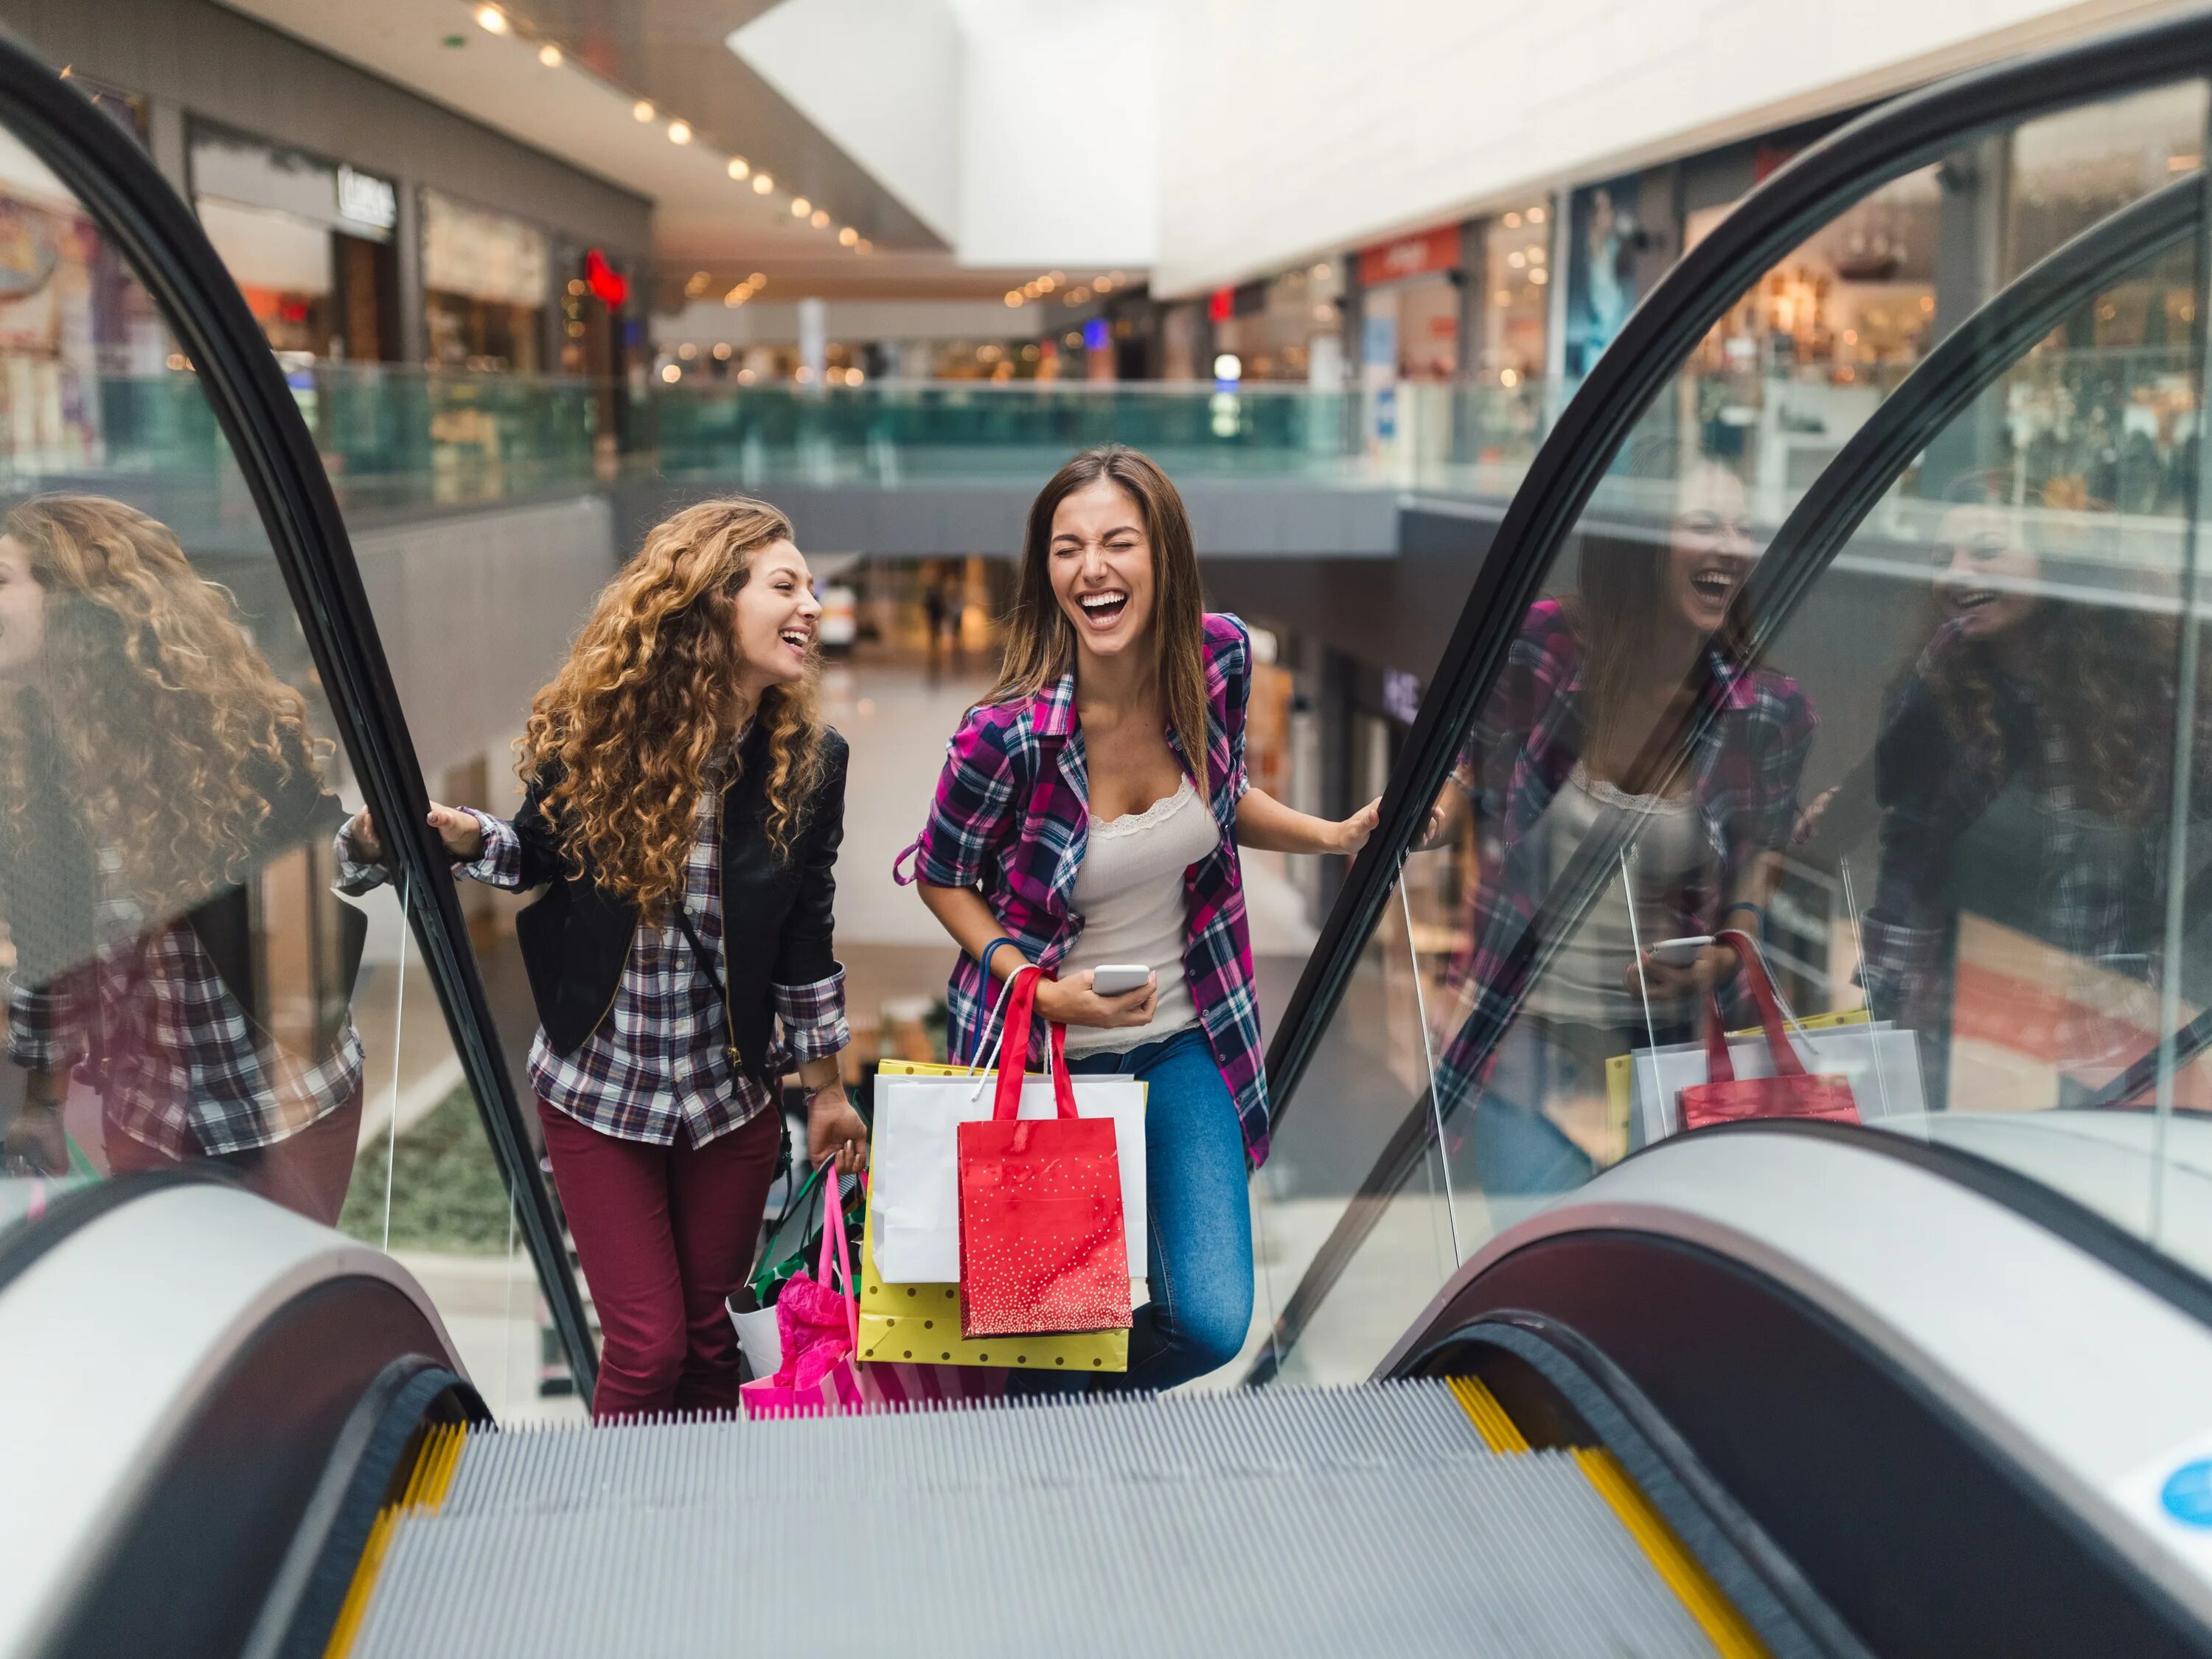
(1198, 1257)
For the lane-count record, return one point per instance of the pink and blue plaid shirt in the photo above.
(1012, 820)
(1525, 742)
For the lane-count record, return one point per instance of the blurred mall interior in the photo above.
(1481, 340)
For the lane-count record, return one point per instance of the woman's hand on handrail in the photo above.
(462, 836)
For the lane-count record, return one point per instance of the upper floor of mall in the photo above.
(508, 249)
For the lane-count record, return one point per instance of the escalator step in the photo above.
(1280, 1521)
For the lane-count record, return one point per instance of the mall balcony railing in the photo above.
(402, 440)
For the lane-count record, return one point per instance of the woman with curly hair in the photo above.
(2023, 768)
(154, 770)
(684, 808)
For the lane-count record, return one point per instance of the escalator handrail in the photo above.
(137, 210)
(1984, 345)
(1808, 193)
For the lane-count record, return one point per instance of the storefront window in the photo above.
(72, 320)
(308, 243)
(1517, 290)
(484, 278)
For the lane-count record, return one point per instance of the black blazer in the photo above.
(777, 916)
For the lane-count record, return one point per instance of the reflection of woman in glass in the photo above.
(153, 769)
(2021, 770)
(1571, 759)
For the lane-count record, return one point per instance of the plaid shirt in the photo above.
(660, 1061)
(174, 1055)
(1524, 745)
(1012, 818)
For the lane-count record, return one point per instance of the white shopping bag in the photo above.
(914, 1176)
(1880, 1061)
(760, 1339)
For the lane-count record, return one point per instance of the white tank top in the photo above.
(1128, 890)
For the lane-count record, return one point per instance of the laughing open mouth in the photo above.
(1714, 584)
(797, 638)
(1104, 607)
(1963, 599)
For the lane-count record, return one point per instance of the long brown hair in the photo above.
(1616, 611)
(629, 730)
(171, 728)
(1040, 641)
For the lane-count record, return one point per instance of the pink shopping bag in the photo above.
(819, 1324)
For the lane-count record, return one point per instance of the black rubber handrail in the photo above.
(1778, 216)
(1801, 198)
(137, 210)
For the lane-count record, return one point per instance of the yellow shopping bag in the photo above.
(919, 1324)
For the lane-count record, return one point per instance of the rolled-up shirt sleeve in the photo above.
(813, 1015)
(46, 1023)
(499, 864)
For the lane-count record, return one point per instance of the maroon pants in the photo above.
(308, 1171)
(664, 1235)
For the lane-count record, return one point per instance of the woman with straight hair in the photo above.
(683, 809)
(1090, 813)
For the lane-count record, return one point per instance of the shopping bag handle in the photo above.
(833, 1235)
(1762, 995)
(1020, 1012)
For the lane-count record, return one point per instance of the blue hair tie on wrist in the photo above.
(992, 950)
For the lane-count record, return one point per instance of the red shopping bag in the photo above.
(1042, 1250)
(820, 1328)
(1791, 1092)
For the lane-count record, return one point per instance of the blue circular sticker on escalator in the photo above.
(2187, 1494)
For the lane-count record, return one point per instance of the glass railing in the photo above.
(1900, 675)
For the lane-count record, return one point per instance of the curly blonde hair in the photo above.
(625, 736)
(171, 728)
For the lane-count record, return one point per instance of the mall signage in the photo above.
(366, 199)
(1410, 255)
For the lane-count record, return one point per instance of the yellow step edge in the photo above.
(1498, 1430)
(427, 1484)
(1732, 1636)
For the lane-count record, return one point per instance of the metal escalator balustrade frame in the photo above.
(143, 217)
(1797, 200)
(1908, 133)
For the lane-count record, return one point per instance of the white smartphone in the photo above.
(1679, 952)
(1115, 979)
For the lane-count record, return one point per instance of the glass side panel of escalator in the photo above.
(1949, 777)
(194, 977)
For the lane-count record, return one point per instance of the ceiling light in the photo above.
(1539, 276)
(670, 373)
(687, 351)
(800, 207)
(1535, 215)
(737, 295)
(1014, 298)
(550, 55)
(819, 219)
(1057, 276)
(756, 280)
(1512, 221)
(491, 19)
(1046, 285)
(864, 246)
(679, 132)
(1117, 277)
(1322, 273)
(762, 184)
(721, 351)
(641, 110)
(848, 236)
(739, 166)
